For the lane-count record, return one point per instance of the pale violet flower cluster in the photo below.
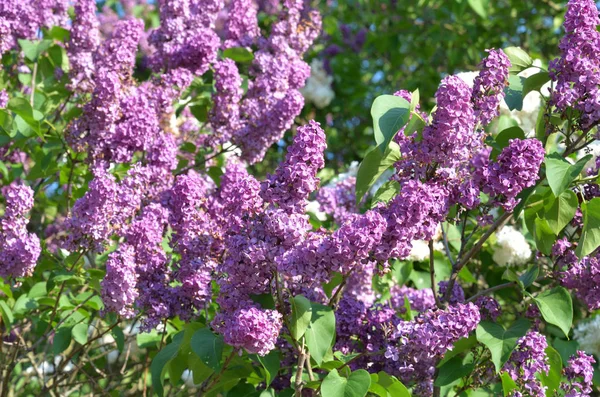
(318, 85)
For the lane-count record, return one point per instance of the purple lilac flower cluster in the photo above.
(19, 249)
(21, 19)
(580, 275)
(451, 148)
(579, 373)
(339, 200)
(527, 361)
(423, 341)
(83, 42)
(296, 177)
(488, 88)
(574, 71)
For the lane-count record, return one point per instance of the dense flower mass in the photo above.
(19, 249)
(574, 72)
(132, 175)
(579, 373)
(488, 87)
(527, 361)
(253, 329)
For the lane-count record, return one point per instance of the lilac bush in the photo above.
(141, 236)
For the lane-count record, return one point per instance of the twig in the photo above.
(298, 380)
(438, 303)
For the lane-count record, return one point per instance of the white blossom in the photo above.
(511, 247)
(318, 86)
(587, 334)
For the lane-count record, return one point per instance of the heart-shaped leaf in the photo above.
(500, 341)
(356, 385)
(556, 307)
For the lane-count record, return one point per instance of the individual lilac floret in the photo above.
(296, 177)
(241, 27)
(527, 361)
(579, 373)
(119, 285)
(516, 169)
(83, 41)
(19, 249)
(252, 329)
(488, 88)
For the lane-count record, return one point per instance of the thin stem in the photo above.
(207, 386)
(33, 78)
(432, 275)
(298, 380)
(446, 246)
(491, 289)
(474, 250)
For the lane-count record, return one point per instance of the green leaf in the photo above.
(393, 385)
(590, 235)
(560, 173)
(373, 165)
(552, 380)
(544, 236)
(209, 347)
(556, 307)
(535, 82)
(527, 278)
(559, 211)
(513, 94)
(62, 340)
(7, 315)
(389, 114)
(80, 333)
(401, 271)
(301, 316)
(453, 370)
(356, 385)
(33, 49)
(480, 7)
(320, 333)
(270, 363)
(238, 54)
(519, 59)
(23, 109)
(503, 139)
(385, 193)
(501, 342)
(159, 364)
(508, 384)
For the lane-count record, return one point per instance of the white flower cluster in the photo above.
(511, 247)
(420, 248)
(587, 334)
(318, 86)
